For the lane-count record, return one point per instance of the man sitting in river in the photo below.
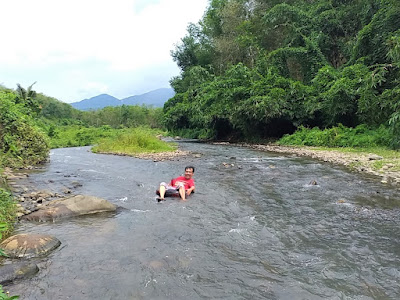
(183, 184)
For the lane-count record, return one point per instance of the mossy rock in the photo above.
(70, 207)
(29, 245)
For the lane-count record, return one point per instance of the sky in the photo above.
(78, 49)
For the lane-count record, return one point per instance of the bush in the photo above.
(75, 136)
(7, 213)
(22, 142)
(133, 141)
(362, 137)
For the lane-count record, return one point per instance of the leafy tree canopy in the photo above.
(262, 68)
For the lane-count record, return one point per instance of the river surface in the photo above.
(255, 229)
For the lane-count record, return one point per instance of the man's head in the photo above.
(189, 170)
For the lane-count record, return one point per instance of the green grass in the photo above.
(109, 140)
(360, 137)
(7, 213)
(360, 140)
(134, 141)
(76, 135)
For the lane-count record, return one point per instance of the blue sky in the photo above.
(78, 49)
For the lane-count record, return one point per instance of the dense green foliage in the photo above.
(54, 112)
(22, 142)
(7, 212)
(340, 136)
(263, 68)
(69, 127)
(80, 128)
(133, 141)
(124, 116)
(78, 135)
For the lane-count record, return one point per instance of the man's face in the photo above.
(188, 173)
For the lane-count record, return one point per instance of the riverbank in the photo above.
(156, 156)
(384, 164)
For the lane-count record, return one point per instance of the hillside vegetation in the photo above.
(263, 68)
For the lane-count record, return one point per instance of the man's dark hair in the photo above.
(189, 167)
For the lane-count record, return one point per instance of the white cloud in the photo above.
(78, 48)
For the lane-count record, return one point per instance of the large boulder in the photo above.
(70, 207)
(9, 273)
(29, 245)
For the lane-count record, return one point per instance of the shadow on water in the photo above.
(255, 229)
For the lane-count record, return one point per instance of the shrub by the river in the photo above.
(340, 136)
(133, 141)
(75, 135)
(7, 212)
(22, 142)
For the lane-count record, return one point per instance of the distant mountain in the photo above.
(155, 98)
(97, 102)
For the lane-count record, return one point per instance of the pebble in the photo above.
(374, 157)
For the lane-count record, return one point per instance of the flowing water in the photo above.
(255, 229)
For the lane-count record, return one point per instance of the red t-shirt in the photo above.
(187, 183)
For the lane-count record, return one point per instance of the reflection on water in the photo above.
(257, 228)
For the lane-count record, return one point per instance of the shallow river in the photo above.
(255, 229)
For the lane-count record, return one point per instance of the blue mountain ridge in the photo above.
(155, 98)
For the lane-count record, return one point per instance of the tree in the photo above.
(27, 98)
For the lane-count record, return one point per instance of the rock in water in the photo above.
(70, 207)
(29, 245)
(9, 273)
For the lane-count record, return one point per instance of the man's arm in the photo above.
(190, 190)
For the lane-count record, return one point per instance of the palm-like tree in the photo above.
(25, 96)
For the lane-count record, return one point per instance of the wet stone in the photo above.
(29, 245)
(70, 207)
(76, 184)
(66, 191)
(11, 272)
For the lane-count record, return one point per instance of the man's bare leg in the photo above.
(162, 192)
(182, 193)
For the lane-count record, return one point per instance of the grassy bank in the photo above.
(129, 141)
(360, 147)
(132, 142)
(76, 135)
(388, 159)
(7, 209)
(340, 136)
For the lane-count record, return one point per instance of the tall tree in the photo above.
(26, 97)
